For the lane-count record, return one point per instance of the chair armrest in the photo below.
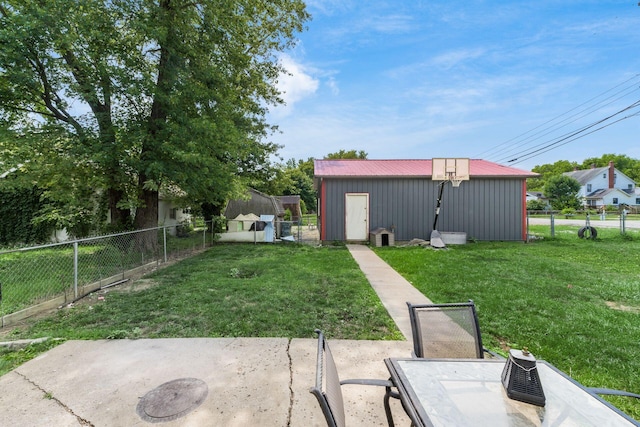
(493, 354)
(612, 392)
(381, 383)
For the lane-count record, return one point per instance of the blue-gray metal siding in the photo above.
(486, 209)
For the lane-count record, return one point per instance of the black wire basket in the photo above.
(520, 378)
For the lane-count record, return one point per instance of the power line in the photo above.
(517, 146)
(572, 136)
(571, 140)
(625, 91)
(571, 119)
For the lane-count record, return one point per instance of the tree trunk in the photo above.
(120, 218)
(209, 211)
(147, 217)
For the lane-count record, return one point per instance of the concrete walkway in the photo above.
(249, 381)
(393, 290)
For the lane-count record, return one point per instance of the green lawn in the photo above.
(33, 276)
(232, 290)
(573, 302)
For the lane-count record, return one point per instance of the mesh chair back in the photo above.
(446, 330)
(327, 389)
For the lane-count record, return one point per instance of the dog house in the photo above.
(381, 237)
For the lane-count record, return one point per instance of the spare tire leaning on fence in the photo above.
(587, 232)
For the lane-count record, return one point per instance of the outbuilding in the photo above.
(357, 196)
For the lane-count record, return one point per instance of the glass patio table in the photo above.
(469, 392)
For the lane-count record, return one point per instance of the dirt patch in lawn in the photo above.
(618, 306)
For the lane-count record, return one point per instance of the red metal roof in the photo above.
(408, 168)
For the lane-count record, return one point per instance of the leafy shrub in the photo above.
(18, 209)
(183, 229)
(537, 205)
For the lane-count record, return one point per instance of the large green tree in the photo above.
(347, 154)
(294, 177)
(547, 171)
(622, 162)
(142, 94)
(562, 191)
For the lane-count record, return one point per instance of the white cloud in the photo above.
(333, 86)
(390, 24)
(453, 58)
(295, 85)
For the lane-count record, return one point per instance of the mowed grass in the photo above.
(572, 302)
(28, 277)
(235, 290)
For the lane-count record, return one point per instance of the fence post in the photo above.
(204, 236)
(553, 229)
(164, 237)
(622, 223)
(75, 269)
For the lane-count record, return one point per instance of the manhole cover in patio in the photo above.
(172, 400)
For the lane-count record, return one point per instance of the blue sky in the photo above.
(498, 80)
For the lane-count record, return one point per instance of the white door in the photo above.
(357, 216)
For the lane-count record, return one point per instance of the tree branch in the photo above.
(48, 94)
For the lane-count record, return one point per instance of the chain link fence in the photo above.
(300, 232)
(56, 274)
(623, 221)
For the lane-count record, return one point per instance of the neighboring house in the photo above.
(606, 186)
(538, 196)
(293, 204)
(358, 196)
(535, 195)
(170, 214)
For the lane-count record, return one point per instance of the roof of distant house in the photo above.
(586, 175)
(409, 168)
(601, 192)
(289, 200)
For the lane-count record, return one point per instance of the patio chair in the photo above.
(328, 388)
(446, 331)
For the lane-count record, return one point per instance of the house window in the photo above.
(589, 188)
(630, 186)
(604, 175)
(637, 200)
(615, 200)
(173, 213)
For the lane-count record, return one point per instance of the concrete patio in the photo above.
(251, 381)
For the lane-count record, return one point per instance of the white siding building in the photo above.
(606, 186)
